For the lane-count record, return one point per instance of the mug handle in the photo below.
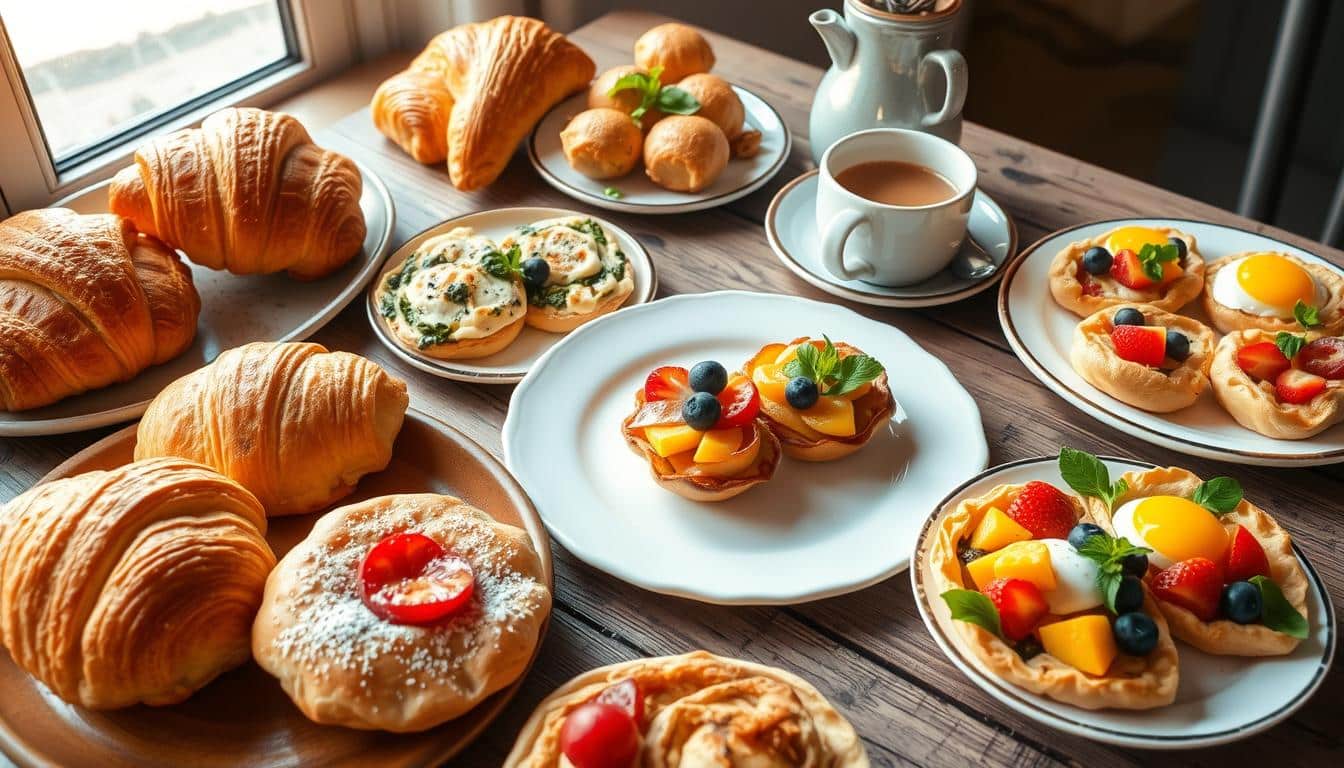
(833, 246)
(954, 70)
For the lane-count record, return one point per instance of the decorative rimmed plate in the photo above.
(639, 195)
(1220, 698)
(235, 310)
(1041, 333)
(791, 227)
(244, 717)
(814, 531)
(511, 364)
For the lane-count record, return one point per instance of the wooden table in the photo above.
(868, 651)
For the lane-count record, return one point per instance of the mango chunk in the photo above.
(672, 438)
(997, 530)
(831, 416)
(982, 569)
(1029, 560)
(681, 461)
(717, 445)
(1084, 642)
(770, 382)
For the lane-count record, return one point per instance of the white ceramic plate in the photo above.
(1220, 698)
(235, 309)
(639, 195)
(791, 226)
(513, 362)
(813, 531)
(1041, 332)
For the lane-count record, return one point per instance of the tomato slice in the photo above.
(408, 578)
(669, 382)
(599, 735)
(627, 696)
(739, 403)
(1323, 357)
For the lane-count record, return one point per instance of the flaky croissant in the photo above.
(248, 192)
(85, 302)
(133, 585)
(476, 91)
(293, 423)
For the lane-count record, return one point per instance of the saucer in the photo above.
(791, 226)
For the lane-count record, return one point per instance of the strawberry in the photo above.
(1090, 287)
(1128, 270)
(1044, 510)
(1323, 357)
(1020, 606)
(1142, 344)
(1195, 585)
(1298, 387)
(1245, 558)
(1262, 360)
(669, 382)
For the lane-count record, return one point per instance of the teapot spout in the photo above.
(836, 34)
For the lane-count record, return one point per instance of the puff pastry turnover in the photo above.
(1083, 293)
(1169, 386)
(1255, 404)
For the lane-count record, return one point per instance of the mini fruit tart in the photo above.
(1158, 266)
(574, 271)
(1144, 356)
(701, 433)
(1273, 292)
(822, 400)
(1048, 601)
(1282, 385)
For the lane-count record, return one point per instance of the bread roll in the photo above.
(685, 153)
(602, 143)
(679, 49)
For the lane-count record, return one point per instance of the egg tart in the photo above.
(1282, 385)
(1144, 356)
(574, 271)
(1160, 266)
(1264, 290)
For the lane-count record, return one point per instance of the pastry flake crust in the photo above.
(1228, 319)
(1093, 357)
(1255, 406)
(1068, 291)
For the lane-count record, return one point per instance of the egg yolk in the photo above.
(1276, 281)
(1180, 528)
(1133, 239)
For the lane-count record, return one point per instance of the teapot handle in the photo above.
(954, 70)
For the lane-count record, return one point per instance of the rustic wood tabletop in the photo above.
(868, 651)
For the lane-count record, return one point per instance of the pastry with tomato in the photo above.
(1284, 385)
(574, 270)
(822, 400)
(692, 710)
(701, 433)
(1144, 356)
(1160, 266)
(401, 612)
(1273, 292)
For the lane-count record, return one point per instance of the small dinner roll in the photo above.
(625, 101)
(685, 153)
(718, 102)
(680, 50)
(602, 143)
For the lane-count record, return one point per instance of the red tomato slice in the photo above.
(1323, 357)
(627, 696)
(739, 403)
(669, 382)
(407, 578)
(599, 735)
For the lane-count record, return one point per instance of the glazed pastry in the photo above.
(691, 710)
(1265, 290)
(457, 297)
(401, 612)
(134, 585)
(602, 143)
(820, 409)
(248, 192)
(700, 432)
(293, 423)
(1282, 385)
(1129, 265)
(476, 91)
(85, 302)
(721, 105)
(574, 269)
(1144, 356)
(679, 49)
(685, 153)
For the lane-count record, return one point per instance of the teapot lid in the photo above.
(939, 9)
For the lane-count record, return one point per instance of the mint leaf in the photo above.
(1109, 553)
(974, 608)
(1152, 256)
(677, 101)
(506, 265)
(635, 81)
(853, 372)
(1087, 475)
(804, 363)
(1219, 495)
(1289, 343)
(1277, 613)
(1306, 315)
(613, 193)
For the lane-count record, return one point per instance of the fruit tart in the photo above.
(692, 710)
(822, 400)
(1158, 266)
(574, 271)
(1220, 568)
(1271, 291)
(1045, 599)
(1144, 356)
(1280, 384)
(701, 432)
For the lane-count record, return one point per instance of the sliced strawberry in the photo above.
(1142, 344)
(1245, 558)
(1020, 603)
(1090, 287)
(739, 403)
(1195, 585)
(1262, 360)
(1323, 357)
(1128, 270)
(669, 382)
(1044, 510)
(1298, 387)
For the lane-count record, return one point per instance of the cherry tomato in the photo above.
(627, 696)
(407, 578)
(599, 735)
(739, 403)
(669, 382)
(1323, 357)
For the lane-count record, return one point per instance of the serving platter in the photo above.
(244, 717)
(235, 310)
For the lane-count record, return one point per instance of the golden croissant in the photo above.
(248, 192)
(133, 585)
(476, 91)
(85, 302)
(293, 423)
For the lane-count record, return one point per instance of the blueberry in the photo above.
(1135, 634)
(1180, 246)
(1241, 602)
(1097, 260)
(801, 392)
(1129, 596)
(1127, 316)
(701, 411)
(1178, 345)
(709, 377)
(1082, 532)
(536, 272)
(1134, 565)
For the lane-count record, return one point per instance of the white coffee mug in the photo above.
(892, 245)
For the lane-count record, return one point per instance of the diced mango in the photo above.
(767, 356)
(982, 569)
(717, 445)
(770, 381)
(997, 530)
(672, 438)
(1170, 271)
(1084, 642)
(1029, 560)
(681, 461)
(831, 416)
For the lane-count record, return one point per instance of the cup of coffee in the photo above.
(892, 205)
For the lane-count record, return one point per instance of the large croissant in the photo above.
(293, 423)
(476, 91)
(85, 302)
(133, 585)
(249, 192)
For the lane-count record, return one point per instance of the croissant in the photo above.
(248, 192)
(476, 91)
(85, 302)
(133, 585)
(293, 423)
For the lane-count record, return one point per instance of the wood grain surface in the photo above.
(868, 651)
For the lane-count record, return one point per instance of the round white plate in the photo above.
(235, 310)
(511, 364)
(1041, 333)
(639, 195)
(1219, 699)
(813, 531)
(791, 226)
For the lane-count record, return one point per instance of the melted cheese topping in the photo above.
(587, 265)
